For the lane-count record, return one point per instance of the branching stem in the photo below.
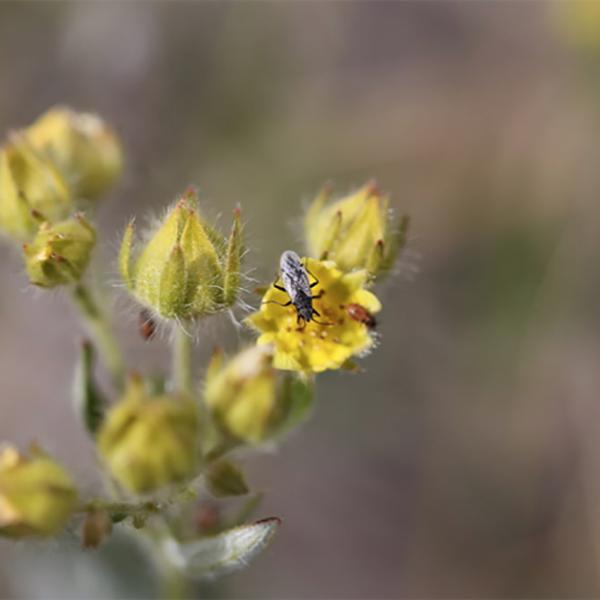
(100, 330)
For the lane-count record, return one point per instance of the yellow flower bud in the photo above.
(59, 254)
(31, 190)
(149, 442)
(243, 395)
(37, 496)
(187, 269)
(579, 24)
(356, 232)
(83, 147)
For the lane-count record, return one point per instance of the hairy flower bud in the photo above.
(83, 147)
(356, 232)
(243, 395)
(187, 269)
(31, 190)
(60, 253)
(149, 442)
(37, 496)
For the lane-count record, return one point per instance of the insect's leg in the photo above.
(316, 312)
(322, 323)
(317, 296)
(316, 281)
(275, 302)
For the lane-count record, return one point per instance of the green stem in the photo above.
(182, 361)
(174, 585)
(127, 508)
(172, 581)
(99, 329)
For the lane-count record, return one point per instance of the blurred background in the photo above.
(465, 460)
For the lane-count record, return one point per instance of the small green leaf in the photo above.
(226, 479)
(87, 397)
(218, 555)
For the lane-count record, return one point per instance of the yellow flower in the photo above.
(37, 496)
(31, 190)
(149, 442)
(82, 146)
(186, 269)
(59, 254)
(357, 231)
(315, 347)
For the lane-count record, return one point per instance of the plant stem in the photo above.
(99, 329)
(127, 508)
(182, 361)
(174, 585)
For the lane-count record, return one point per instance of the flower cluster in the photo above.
(354, 241)
(163, 440)
(48, 172)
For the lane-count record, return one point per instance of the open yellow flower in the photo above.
(315, 347)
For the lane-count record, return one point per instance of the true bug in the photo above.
(146, 325)
(359, 313)
(297, 286)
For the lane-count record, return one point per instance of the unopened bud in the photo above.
(59, 254)
(357, 231)
(149, 442)
(37, 495)
(187, 269)
(83, 147)
(245, 395)
(31, 190)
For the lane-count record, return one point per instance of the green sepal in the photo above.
(233, 261)
(317, 205)
(125, 255)
(397, 243)
(153, 258)
(226, 479)
(173, 281)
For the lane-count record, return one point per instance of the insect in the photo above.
(146, 325)
(297, 286)
(359, 313)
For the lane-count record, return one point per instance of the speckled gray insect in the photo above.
(296, 284)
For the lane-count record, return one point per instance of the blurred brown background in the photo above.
(465, 461)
